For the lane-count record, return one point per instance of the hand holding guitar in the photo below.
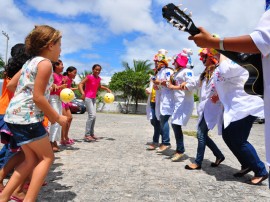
(204, 39)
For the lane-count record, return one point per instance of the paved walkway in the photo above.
(118, 168)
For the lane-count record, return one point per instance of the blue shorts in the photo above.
(24, 134)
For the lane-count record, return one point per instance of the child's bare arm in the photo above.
(41, 81)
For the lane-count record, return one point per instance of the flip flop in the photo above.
(14, 198)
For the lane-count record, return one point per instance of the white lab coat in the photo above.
(261, 37)
(229, 79)
(183, 99)
(164, 96)
(148, 107)
(212, 112)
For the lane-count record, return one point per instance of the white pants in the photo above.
(55, 129)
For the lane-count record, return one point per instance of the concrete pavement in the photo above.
(118, 168)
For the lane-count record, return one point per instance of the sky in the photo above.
(108, 32)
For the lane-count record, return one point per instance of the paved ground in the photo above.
(118, 168)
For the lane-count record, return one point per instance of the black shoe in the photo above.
(242, 172)
(264, 177)
(189, 168)
(218, 161)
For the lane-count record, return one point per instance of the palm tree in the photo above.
(2, 64)
(140, 77)
(139, 66)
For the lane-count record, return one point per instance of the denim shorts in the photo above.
(24, 134)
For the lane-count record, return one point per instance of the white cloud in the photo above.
(117, 18)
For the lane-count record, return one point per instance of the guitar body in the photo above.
(251, 62)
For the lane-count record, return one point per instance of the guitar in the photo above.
(251, 62)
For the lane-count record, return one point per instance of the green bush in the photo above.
(196, 98)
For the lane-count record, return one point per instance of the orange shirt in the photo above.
(6, 97)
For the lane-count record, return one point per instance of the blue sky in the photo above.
(108, 32)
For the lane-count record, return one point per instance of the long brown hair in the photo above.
(40, 38)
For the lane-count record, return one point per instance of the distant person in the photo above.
(209, 110)
(88, 88)
(164, 98)
(257, 42)
(151, 112)
(182, 83)
(26, 110)
(69, 75)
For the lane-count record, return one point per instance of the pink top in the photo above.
(58, 79)
(68, 81)
(91, 86)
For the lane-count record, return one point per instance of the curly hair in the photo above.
(40, 38)
(18, 58)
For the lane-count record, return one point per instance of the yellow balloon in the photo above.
(108, 98)
(67, 95)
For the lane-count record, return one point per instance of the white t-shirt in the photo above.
(229, 79)
(261, 37)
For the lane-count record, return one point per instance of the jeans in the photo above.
(235, 136)
(155, 123)
(179, 137)
(90, 104)
(203, 141)
(165, 128)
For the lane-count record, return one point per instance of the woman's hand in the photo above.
(183, 86)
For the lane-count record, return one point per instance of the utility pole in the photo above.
(6, 35)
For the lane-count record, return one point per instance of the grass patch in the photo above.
(192, 133)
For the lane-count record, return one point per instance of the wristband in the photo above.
(221, 44)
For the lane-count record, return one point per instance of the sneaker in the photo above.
(163, 148)
(177, 157)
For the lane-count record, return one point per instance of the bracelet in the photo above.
(221, 44)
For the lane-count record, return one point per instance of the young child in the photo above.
(26, 110)
(91, 83)
(182, 83)
(59, 83)
(69, 75)
(11, 155)
(209, 110)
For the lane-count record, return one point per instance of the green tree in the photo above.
(132, 81)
